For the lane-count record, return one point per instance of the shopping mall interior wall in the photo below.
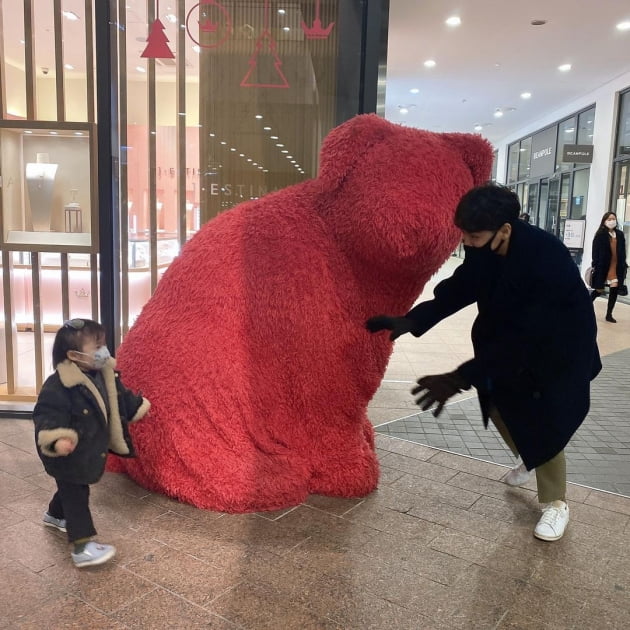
(605, 100)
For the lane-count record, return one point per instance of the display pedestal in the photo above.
(73, 218)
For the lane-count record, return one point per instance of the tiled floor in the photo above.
(442, 544)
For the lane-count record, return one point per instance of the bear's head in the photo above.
(392, 191)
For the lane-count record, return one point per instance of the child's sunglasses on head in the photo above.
(77, 324)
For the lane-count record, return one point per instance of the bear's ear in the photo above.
(476, 152)
(346, 144)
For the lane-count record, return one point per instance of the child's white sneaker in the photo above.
(57, 523)
(517, 476)
(93, 553)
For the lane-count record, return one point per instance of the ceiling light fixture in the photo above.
(258, 116)
(565, 67)
(140, 69)
(70, 15)
(68, 66)
(454, 20)
(415, 90)
(538, 22)
(498, 113)
(478, 127)
(526, 95)
(623, 26)
(429, 63)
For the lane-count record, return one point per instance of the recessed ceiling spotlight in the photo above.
(454, 20)
(526, 95)
(403, 110)
(415, 90)
(281, 11)
(565, 67)
(68, 66)
(171, 17)
(196, 48)
(498, 113)
(140, 69)
(267, 128)
(429, 63)
(70, 15)
(623, 26)
(286, 28)
(538, 22)
(258, 116)
(478, 127)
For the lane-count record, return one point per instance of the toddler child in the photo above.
(82, 412)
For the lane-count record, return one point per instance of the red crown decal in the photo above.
(316, 31)
(208, 26)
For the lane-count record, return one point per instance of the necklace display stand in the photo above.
(40, 181)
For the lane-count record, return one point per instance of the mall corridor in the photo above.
(442, 545)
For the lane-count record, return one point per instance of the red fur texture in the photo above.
(253, 350)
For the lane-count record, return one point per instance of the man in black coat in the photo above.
(534, 341)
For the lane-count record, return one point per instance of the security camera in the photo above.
(45, 70)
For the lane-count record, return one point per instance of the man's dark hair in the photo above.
(71, 336)
(487, 207)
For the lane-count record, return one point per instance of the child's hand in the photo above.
(64, 446)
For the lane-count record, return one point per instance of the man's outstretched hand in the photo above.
(438, 388)
(398, 325)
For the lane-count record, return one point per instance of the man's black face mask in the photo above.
(485, 252)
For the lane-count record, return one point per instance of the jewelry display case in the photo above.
(47, 178)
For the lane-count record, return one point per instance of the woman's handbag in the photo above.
(623, 289)
(588, 277)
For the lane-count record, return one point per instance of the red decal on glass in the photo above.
(209, 24)
(317, 31)
(266, 52)
(157, 42)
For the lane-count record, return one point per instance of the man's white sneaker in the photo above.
(517, 476)
(553, 521)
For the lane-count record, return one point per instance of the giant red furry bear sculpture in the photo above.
(253, 349)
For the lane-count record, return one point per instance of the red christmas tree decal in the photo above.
(157, 42)
(268, 78)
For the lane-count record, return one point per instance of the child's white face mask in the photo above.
(98, 359)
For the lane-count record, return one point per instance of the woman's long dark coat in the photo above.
(602, 255)
(534, 338)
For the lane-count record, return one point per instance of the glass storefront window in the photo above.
(513, 155)
(212, 104)
(623, 133)
(579, 195)
(586, 124)
(525, 151)
(567, 133)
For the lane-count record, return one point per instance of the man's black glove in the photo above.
(398, 325)
(438, 388)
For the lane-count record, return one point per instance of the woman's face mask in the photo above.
(611, 224)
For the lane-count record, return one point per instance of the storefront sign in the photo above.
(543, 160)
(574, 233)
(578, 153)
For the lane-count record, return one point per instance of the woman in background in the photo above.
(609, 261)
